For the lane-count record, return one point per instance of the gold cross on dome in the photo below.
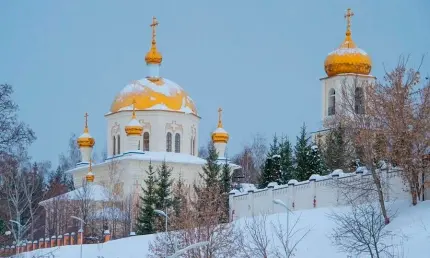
(220, 117)
(348, 16)
(134, 109)
(86, 119)
(153, 25)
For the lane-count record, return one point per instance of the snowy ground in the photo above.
(411, 222)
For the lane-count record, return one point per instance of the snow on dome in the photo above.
(134, 122)
(348, 51)
(160, 95)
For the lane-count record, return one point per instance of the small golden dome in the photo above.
(348, 58)
(90, 176)
(220, 135)
(134, 127)
(85, 140)
(153, 56)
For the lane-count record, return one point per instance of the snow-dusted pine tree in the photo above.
(271, 169)
(317, 164)
(211, 171)
(336, 151)
(286, 153)
(146, 220)
(302, 153)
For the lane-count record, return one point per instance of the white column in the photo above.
(220, 148)
(86, 154)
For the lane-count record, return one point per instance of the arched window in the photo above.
(193, 146)
(331, 102)
(177, 143)
(118, 145)
(145, 141)
(113, 145)
(169, 142)
(359, 100)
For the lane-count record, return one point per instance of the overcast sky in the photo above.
(260, 60)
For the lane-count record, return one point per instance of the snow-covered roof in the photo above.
(169, 157)
(91, 191)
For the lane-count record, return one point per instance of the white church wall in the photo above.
(320, 191)
(157, 123)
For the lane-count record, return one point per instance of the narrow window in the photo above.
(119, 145)
(169, 142)
(193, 146)
(359, 101)
(331, 102)
(177, 143)
(113, 145)
(146, 141)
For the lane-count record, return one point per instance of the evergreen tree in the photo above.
(317, 165)
(287, 168)
(211, 170)
(225, 188)
(146, 220)
(302, 152)
(335, 150)
(179, 197)
(163, 190)
(271, 168)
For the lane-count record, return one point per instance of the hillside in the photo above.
(412, 223)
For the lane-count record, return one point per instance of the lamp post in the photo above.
(183, 250)
(18, 235)
(279, 202)
(81, 230)
(164, 214)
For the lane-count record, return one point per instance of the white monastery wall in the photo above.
(319, 191)
(157, 124)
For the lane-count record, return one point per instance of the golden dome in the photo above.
(90, 176)
(153, 56)
(220, 135)
(134, 127)
(348, 58)
(147, 95)
(85, 140)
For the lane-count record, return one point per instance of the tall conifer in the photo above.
(146, 219)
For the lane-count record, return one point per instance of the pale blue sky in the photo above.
(260, 60)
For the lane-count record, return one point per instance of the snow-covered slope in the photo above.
(411, 222)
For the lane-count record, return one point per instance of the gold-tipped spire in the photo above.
(85, 140)
(153, 56)
(90, 176)
(219, 117)
(348, 58)
(86, 123)
(348, 16)
(134, 127)
(220, 135)
(133, 116)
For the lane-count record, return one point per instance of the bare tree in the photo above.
(13, 132)
(361, 129)
(401, 106)
(259, 241)
(361, 230)
(199, 221)
(84, 201)
(276, 239)
(259, 150)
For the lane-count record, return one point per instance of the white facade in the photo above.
(332, 87)
(157, 124)
(319, 191)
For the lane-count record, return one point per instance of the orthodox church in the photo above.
(150, 120)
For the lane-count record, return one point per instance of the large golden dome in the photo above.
(159, 95)
(348, 58)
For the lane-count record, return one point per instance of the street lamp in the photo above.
(279, 202)
(183, 250)
(18, 235)
(81, 230)
(164, 214)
